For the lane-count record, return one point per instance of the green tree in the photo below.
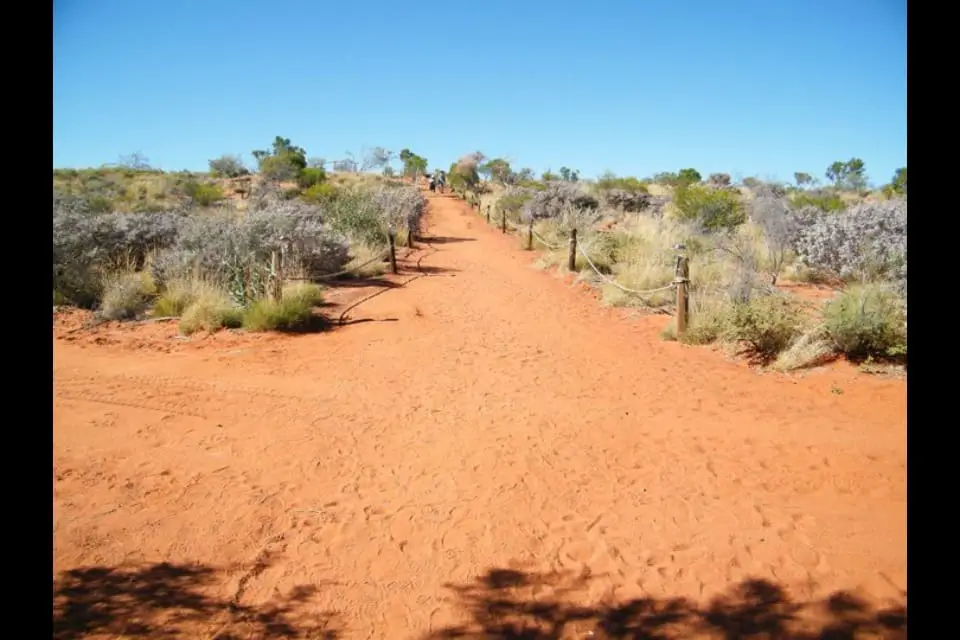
(802, 179)
(847, 175)
(899, 182)
(525, 174)
(464, 172)
(283, 161)
(569, 175)
(689, 176)
(413, 165)
(498, 170)
(548, 176)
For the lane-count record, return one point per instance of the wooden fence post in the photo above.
(393, 252)
(503, 221)
(530, 236)
(572, 259)
(488, 214)
(683, 297)
(276, 288)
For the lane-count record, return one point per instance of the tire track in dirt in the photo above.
(504, 419)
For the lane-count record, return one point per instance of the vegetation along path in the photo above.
(485, 438)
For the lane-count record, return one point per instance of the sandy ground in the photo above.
(480, 453)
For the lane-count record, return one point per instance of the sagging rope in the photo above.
(330, 276)
(616, 284)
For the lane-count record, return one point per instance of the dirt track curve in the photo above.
(488, 419)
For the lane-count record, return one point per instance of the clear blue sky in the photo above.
(743, 87)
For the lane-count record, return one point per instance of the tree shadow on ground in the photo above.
(175, 601)
(511, 604)
(443, 239)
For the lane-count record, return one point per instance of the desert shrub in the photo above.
(307, 292)
(310, 177)
(179, 293)
(290, 194)
(125, 296)
(630, 201)
(706, 322)
(292, 313)
(557, 198)
(867, 321)
(626, 183)
(279, 168)
(780, 226)
(400, 207)
(512, 200)
(227, 166)
(320, 193)
(766, 324)
(712, 209)
(354, 213)
(203, 193)
(868, 242)
(233, 251)
(87, 245)
(719, 180)
(822, 200)
(209, 311)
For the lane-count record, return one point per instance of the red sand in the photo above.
(486, 450)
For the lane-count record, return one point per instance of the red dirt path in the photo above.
(486, 416)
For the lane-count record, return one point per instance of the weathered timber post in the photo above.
(682, 281)
(572, 258)
(393, 251)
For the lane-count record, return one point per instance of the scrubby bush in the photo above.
(210, 311)
(401, 207)
(629, 201)
(555, 199)
(712, 209)
(512, 200)
(88, 245)
(227, 166)
(234, 251)
(719, 180)
(310, 177)
(822, 200)
(867, 321)
(766, 324)
(868, 242)
(125, 296)
(629, 184)
(203, 193)
(294, 312)
(320, 193)
(780, 226)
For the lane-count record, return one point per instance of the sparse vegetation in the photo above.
(113, 226)
(741, 242)
(205, 256)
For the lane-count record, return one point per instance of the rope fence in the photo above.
(680, 283)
